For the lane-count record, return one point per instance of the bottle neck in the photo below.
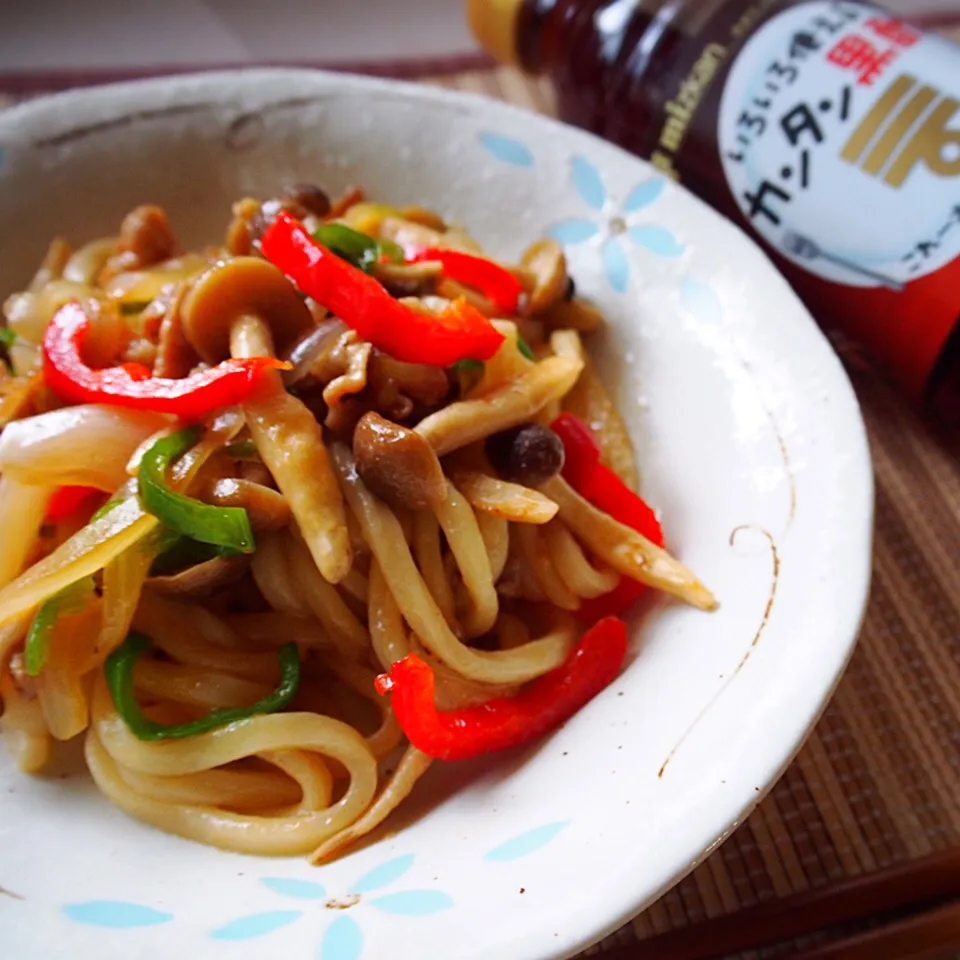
(549, 32)
(543, 30)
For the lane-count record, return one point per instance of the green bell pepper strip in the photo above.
(106, 508)
(526, 349)
(7, 339)
(71, 599)
(222, 526)
(390, 251)
(468, 373)
(182, 552)
(355, 247)
(469, 366)
(130, 308)
(242, 450)
(118, 670)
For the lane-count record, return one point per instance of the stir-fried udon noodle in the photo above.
(239, 484)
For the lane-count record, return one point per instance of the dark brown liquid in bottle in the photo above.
(623, 69)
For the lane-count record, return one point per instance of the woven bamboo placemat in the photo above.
(878, 782)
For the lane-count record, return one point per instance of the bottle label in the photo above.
(839, 132)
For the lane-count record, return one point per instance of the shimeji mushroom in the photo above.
(267, 509)
(510, 405)
(246, 307)
(398, 465)
(242, 304)
(201, 579)
(548, 267)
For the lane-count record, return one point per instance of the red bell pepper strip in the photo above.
(497, 284)
(67, 500)
(504, 722)
(132, 385)
(461, 332)
(606, 491)
(582, 450)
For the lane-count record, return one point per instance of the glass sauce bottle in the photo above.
(829, 131)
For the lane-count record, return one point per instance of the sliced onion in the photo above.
(24, 357)
(142, 286)
(87, 445)
(87, 262)
(123, 579)
(86, 552)
(309, 349)
(22, 509)
(24, 728)
(29, 313)
(11, 636)
(96, 545)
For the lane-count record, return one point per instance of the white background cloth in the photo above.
(38, 36)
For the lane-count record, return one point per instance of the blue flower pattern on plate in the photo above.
(343, 939)
(118, 914)
(522, 845)
(507, 149)
(256, 925)
(586, 178)
(613, 225)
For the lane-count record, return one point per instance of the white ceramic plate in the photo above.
(751, 445)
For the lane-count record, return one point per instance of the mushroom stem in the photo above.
(509, 405)
(245, 306)
(290, 442)
(250, 337)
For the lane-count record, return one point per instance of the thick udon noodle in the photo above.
(484, 586)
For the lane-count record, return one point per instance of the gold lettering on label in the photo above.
(750, 18)
(680, 110)
(884, 149)
(745, 24)
(888, 124)
(664, 163)
(672, 135)
(872, 123)
(929, 146)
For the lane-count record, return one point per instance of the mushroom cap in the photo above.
(548, 265)
(267, 509)
(241, 286)
(398, 465)
(201, 579)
